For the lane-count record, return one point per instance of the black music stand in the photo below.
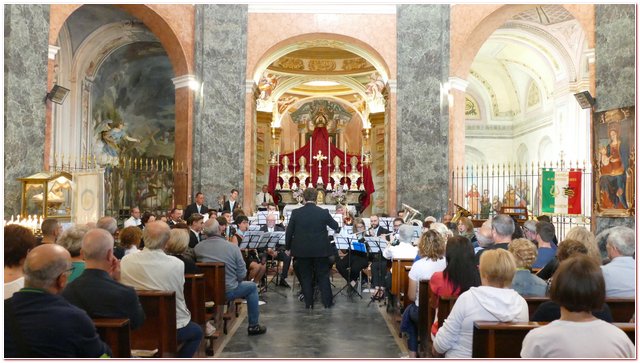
(376, 245)
(346, 243)
(271, 240)
(250, 241)
(262, 218)
(387, 223)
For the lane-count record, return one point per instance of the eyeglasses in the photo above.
(69, 271)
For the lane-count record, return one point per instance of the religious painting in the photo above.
(614, 162)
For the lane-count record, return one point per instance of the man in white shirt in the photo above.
(231, 204)
(152, 269)
(620, 273)
(404, 249)
(263, 198)
(134, 220)
(280, 253)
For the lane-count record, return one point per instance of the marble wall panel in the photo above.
(423, 121)
(25, 86)
(220, 58)
(615, 70)
(615, 56)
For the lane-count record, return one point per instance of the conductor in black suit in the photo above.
(307, 240)
(197, 207)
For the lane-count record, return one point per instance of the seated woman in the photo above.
(493, 301)
(550, 310)
(465, 229)
(524, 282)
(176, 246)
(130, 238)
(352, 262)
(431, 247)
(71, 239)
(578, 287)
(459, 276)
(18, 241)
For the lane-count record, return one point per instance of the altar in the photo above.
(330, 207)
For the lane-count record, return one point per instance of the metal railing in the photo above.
(484, 189)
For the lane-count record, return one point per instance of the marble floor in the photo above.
(350, 329)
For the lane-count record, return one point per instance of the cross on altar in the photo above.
(319, 157)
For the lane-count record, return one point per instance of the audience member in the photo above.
(71, 240)
(431, 248)
(110, 225)
(529, 230)
(41, 324)
(134, 220)
(177, 246)
(493, 301)
(153, 269)
(545, 232)
(579, 288)
(587, 238)
(195, 222)
(97, 291)
(441, 228)
(502, 227)
(18, 241)
(217, 249)
(485, 239)
(130, 239)
(550, 310)
(404, 248)
(620, 272)
(147, 217)
(51, 229)
(524, 282)
(465, 229)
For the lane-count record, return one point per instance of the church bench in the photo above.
(400, 277)
(621, 309)
(214, 274)
(159, 328)
(426, 313)
(533, 302)
(195, 297)
(445, 304)
(404, 287)
(116, 332)
(504, 340)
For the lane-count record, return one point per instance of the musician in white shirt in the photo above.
(263, 198)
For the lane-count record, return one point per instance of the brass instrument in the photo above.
(409, 214)
(460, 212)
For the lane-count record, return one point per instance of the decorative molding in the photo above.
(53, 50)
(249, 86)
(187, 80)
(364, 8)
(458, 84)
(590, 54)
(393, 85)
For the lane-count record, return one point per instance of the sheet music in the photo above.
(374, 242)
(251, 238)
(387, 222)
(272, 239)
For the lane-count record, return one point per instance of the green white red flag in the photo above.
(561, 191)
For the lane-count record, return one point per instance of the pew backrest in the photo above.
(398, 273)
(159, 328)
(214, 281)
(116, 332)
(194, 294)
(622, 310)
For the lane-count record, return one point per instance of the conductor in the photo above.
(307, 240)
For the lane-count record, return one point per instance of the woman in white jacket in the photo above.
(493, 301)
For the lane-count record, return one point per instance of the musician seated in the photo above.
(252, 259)
(347, 218)
(175, 217)
(279, 253)
(351, 262)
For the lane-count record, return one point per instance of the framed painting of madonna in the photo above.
(614, 155)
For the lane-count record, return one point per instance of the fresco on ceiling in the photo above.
(133, 104)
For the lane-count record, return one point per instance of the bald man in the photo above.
(41, 323)
(98, 290)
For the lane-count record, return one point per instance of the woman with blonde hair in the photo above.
(176, 247)
(587, 238)
(524, 282)
(493, 301)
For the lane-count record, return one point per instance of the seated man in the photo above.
(620, 273)
(280, 252)
(40, 323)
(217, 249)
(97, 291)
(153, 269)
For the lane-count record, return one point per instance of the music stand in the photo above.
(271, 240)
(387, 223)
(347, 243)
(376, 245)
(262, 217)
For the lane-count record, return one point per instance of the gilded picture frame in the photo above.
(613, 160)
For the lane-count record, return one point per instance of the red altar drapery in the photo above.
(320, 140)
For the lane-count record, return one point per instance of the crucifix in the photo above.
(319, 157)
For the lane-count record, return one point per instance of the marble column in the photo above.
(219, 123)
(615, 71)
(422, 117)
(25, 86)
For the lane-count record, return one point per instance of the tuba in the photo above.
(409, 214)
(460, 212)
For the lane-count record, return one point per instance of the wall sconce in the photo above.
(584, 99)
(57, 94)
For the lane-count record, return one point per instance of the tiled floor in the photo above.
(350, 329)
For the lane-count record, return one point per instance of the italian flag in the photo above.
(561, 191)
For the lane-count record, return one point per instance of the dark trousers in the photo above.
(358, 263)
(305, 266)
(286, 263)
(378, 272)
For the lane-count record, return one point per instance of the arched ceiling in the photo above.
(537, 49)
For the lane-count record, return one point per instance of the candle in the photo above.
(310, 159)
(345, 162)
(329, 160)
(294, 164)
(278, 168)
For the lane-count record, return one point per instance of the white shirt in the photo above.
(155, 270)
(232, 205)
(619, 277)
(402, 250)
(260, 199)
(132, 249)
(569, 339)
(12, 287)
(423, 269)
(132, 222)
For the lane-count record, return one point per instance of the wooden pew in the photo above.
(533, 302)
(404, 288)
(426, 312)
(621, 309)
(194, 295)
(504, 340)
(159, 328)
(399, 277)
(445, 304)
(214, 289)
(116, 332)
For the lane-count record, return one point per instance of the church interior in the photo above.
(423, 113)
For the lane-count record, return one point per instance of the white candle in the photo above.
(294, 163)
(310, 160)
(329, 160)
(278, 168)
(345, 162)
